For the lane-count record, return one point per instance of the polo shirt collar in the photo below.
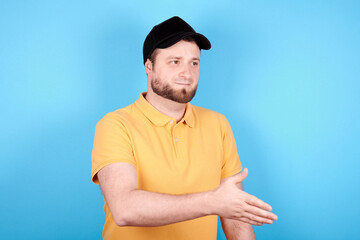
(189, 118)
(160, 119)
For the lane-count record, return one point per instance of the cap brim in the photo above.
(200, 39)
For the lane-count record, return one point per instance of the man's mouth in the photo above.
(183, 83)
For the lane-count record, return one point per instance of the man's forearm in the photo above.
(237, 230)
(143, 208)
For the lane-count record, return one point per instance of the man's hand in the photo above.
(231, 202)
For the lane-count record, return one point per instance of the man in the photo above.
(167, 168)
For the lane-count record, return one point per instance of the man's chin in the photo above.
(177, 93)
(182, 97)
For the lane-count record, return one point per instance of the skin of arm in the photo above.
(130, 206)
(237, 230)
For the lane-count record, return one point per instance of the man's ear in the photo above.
(148, 66)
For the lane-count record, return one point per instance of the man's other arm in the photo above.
(237, 230)
(130, 206)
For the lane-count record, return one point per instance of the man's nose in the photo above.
(185, 71)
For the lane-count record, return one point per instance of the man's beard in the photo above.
(166, 91)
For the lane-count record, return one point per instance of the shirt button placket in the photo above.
(176, 140)
(173, 134)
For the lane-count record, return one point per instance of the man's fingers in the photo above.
(246, 220)
(254, 201)
(261, 213)
(255, 218)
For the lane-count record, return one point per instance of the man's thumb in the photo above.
(241, 176)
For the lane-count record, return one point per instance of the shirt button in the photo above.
(171, 121)
(176, 139)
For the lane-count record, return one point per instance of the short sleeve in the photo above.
(111, 144)
(231, 163)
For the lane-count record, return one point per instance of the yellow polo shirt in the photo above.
(190, 156)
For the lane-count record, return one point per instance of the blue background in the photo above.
(285, 73)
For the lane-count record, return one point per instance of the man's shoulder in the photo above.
(206, 113)
(211, 119)
(121, 114)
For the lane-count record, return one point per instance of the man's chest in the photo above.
(177, 159)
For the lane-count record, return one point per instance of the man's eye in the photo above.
(174, 62)
(195, 63)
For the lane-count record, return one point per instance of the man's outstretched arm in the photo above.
(130, 206)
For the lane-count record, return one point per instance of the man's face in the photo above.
(175, 74)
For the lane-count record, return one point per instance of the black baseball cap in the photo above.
(170, 32)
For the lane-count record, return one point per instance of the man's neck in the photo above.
(165, 106)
